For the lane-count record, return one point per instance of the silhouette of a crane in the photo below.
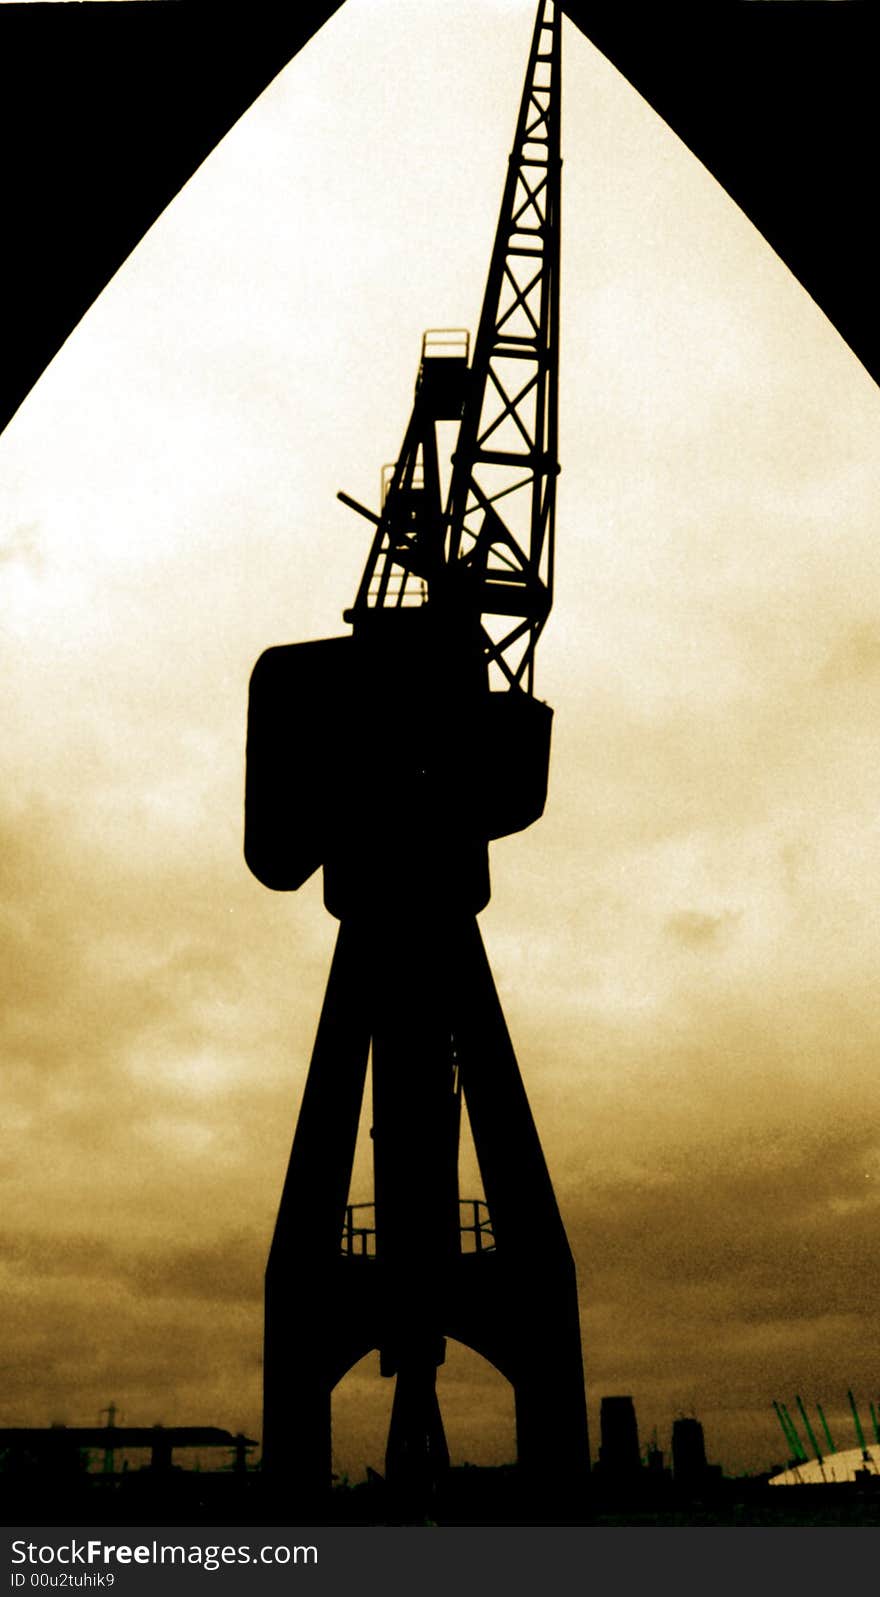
(391, 757)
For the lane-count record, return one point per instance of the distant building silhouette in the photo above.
(66, 1448)
(689, 1465)
(619, 1456)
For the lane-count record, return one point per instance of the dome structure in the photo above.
(833, 1469)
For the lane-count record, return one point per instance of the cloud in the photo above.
(696, 930)
(224, 1270)
(729, 1282)
(855, 655)
(22, 545)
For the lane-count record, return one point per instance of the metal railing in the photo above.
(358, 1240)
(359, 1229)
(444, 342)
(477, 1235)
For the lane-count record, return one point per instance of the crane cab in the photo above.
(443, 371)
(382, 746)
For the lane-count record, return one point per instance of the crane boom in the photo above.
(508, 442)
(487, 558)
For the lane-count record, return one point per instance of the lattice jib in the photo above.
(501, 507)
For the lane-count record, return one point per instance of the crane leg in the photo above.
(317, 1314)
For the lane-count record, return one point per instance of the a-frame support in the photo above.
(436, 1027)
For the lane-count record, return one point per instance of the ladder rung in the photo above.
(515, 354)
(506, 457)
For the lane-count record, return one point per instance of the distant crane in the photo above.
(391, 757)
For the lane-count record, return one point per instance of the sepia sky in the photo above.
(686, 945)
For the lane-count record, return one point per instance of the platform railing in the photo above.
(359, 1228)
(446, 342)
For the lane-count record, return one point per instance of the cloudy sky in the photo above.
(685, 945)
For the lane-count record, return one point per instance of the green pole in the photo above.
(831, 1447)
(809, 1430)
(800, 1450)
(785, 1431)
(858, 1424)
(793, 1441)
